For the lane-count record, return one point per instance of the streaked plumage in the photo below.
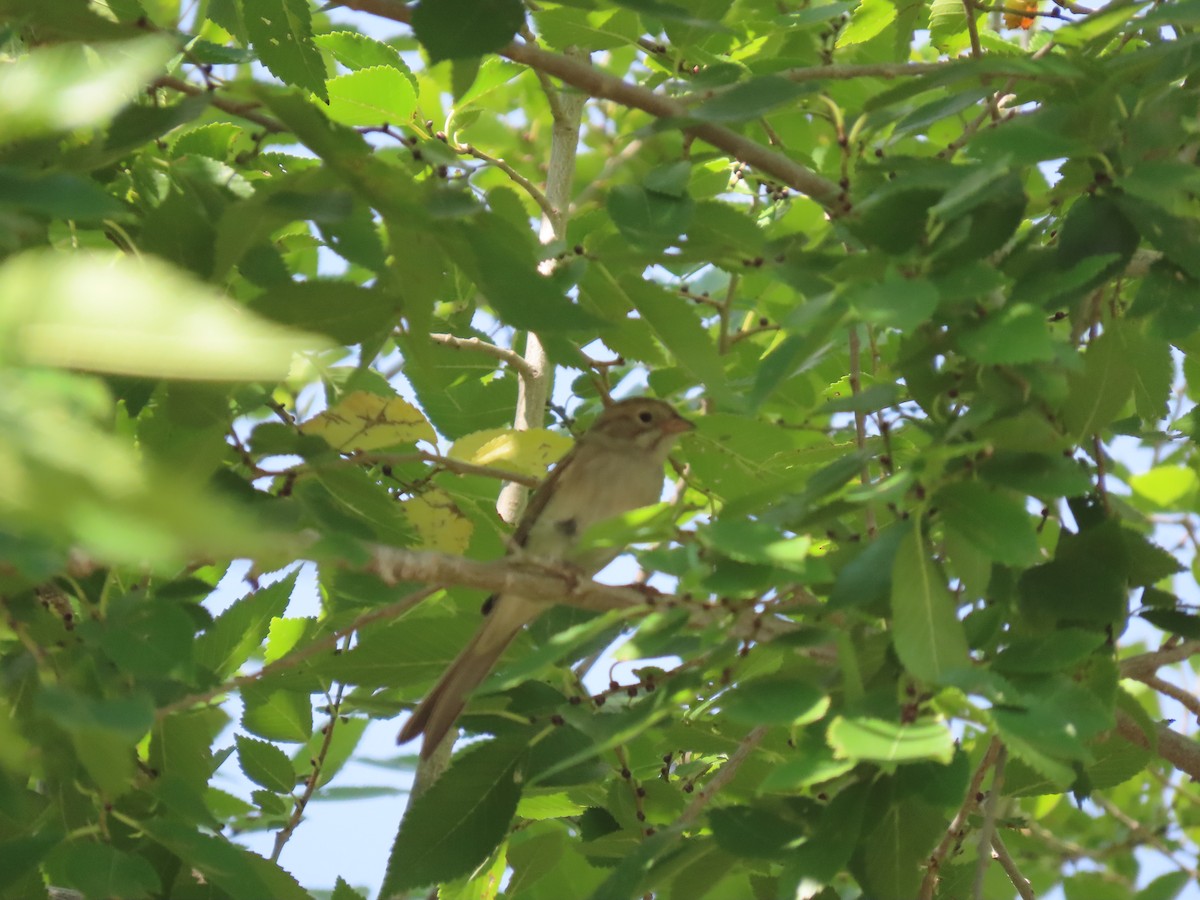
(616, 466)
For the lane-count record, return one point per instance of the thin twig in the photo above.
(457, 466)
(977, 52)
(525, 184)
(723, 776)
(987, 830)
(1146, 836)
(860, 422)
(314, 776)
(724, 310)
(1019, 881)
(958, 825)
(247, 110)
(506, 355)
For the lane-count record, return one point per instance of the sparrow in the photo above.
(616, 466)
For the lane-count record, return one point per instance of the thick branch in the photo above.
(1146, 664)
(1181, 752)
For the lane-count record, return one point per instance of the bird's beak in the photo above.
(678, 425)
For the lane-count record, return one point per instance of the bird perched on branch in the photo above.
(616, 466)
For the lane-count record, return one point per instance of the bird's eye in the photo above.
(646, 416)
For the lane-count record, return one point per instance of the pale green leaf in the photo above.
(890, 742)
(867, 21)
(117, 314)
(72, 86)
(1165, 486)
(375, 96)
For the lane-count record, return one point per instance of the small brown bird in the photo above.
(616, 466)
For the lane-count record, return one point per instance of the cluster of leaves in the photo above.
(907, 559)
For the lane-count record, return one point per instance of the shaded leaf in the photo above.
(460, 820)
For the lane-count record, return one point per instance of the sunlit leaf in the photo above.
(365, 421)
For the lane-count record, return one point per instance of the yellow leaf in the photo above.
(527, 452)
(365, 421)
(438, 523)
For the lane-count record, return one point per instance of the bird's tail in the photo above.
(441, 706)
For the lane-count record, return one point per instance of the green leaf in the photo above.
(992, 521)
(837, 832)
(867, 21)
(460, 29)
(1064, 649)
(343, 891)
(52, 89)
(375, 96)
(457, 823)
(927, 635)
(235, 870)
(266, 765)
(781, 701)
(1017, 334)
(281, 32)
(412, 651)
(57, 194)
(896, 302)
(647, 219)
(747, 831)
(589, 29)
(112, 313)
(890, 742)
(751, 99)
(100, 870)
(1174, 622)
(242, 628)
(347, 313)
(1042, 475)
(277, 715)
(675, 324)
(1154, 371)
(503, 265)
(1085, 582)
(866, 581)
(900, 833)
(1099, 393)
(1096, 226)
(748, 541)
(358, 51)
(814, 763)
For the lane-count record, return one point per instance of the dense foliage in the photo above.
(273, 287)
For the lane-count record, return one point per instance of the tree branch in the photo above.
(310, 784)
(506, 355)
(1181, 752)
(525, 184)
(1019, 881)
(958, 825)
(723, 776)
(601, 85)
(247, 110)
(1145, 664)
